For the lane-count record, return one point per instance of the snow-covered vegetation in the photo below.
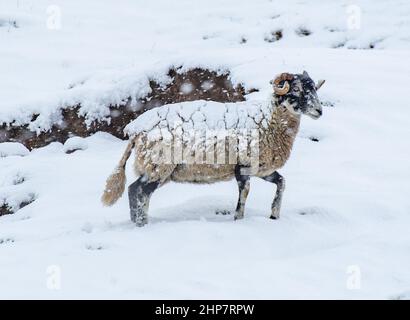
(343, 231)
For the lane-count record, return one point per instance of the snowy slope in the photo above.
(105, 51)
(345, 212)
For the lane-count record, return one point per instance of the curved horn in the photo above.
(319, 84)
(282, 90)
(286, 86)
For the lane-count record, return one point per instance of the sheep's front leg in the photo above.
(139, 194)
(277, 179)
(243, 185)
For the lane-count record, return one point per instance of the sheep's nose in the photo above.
(319, 111)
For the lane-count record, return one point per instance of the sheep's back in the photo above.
(201, 115)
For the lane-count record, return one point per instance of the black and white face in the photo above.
(301, 97)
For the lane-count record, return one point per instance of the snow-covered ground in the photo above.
(343, 232)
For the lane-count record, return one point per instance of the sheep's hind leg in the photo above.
(243, 185)
(277, 179)
(139, 194)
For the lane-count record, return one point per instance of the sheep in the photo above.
(260, 136)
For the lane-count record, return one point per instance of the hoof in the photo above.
(140, 224)
(238, 218)
(275, 213)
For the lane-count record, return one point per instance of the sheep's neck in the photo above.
(282, 130)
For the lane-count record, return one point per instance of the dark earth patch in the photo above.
(6, 209)
(6, 240)
(223, 212)
(303, 32)
(274, 36)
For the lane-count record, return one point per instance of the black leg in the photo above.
(277, 179)
(139, 194)
(243, 185)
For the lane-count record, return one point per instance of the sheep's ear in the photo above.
(319, 84)
(305, 74)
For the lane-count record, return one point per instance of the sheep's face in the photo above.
(301, 98)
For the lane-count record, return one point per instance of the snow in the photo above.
(343, 231)
(203, 115)
(119, 55)
(75, 143)
(201, 126)
(13, 149)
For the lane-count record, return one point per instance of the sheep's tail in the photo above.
(115, 184)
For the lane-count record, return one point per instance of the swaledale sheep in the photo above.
(206, 142)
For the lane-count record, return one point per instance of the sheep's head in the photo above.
(297, 93)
